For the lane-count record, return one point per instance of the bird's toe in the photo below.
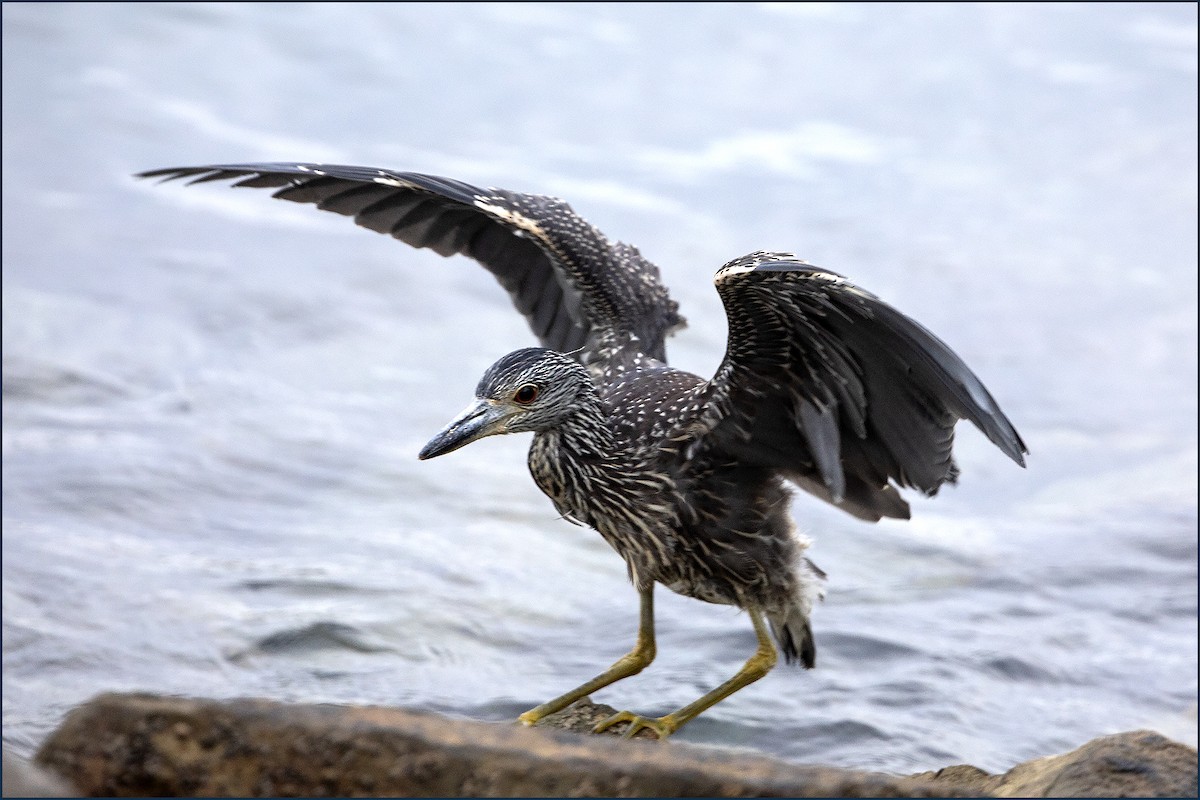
(662, 726)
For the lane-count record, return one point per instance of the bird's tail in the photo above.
(795, 637)
(792, 628)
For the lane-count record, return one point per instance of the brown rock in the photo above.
(584, 715)
(127, 745)
(137, 745)
(1134, 764)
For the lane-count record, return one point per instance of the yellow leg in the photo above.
(760, 664)
(631, 663)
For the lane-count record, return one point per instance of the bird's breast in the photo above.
(631, 505)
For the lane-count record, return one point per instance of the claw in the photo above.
(662, 727)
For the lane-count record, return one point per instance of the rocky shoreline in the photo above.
(127, 745)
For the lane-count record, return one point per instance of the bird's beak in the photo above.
(481, 418)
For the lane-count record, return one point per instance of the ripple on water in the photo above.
(312, 638)
(306, 588)
(862, 647)
(841, 732)
(1018, 669)
(33, 381)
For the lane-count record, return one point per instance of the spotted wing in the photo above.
(570, 282)
(836, 389)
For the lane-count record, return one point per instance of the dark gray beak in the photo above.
(481, 418)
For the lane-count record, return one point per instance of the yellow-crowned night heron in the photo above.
(822, 384)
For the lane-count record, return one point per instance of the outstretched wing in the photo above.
(573, 285)
(836, 389)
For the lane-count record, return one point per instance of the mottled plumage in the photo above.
(822, 384)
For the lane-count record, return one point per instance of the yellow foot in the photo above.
(662, 727)
(562, 704)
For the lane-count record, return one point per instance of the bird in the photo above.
(823, 386)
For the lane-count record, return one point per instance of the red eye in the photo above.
(526, 394)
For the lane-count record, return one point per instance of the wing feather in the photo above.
(840, 392)
(572, 284)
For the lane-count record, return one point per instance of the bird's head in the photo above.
(527, 390)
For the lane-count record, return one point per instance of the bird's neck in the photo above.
(586, 432)
(567, 460)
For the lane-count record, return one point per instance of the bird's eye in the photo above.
(526, 394)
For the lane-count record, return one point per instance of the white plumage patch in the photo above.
(511, 217)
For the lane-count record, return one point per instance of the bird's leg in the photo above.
(631, 663)
(759, 664)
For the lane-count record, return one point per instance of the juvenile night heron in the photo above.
(822, 384)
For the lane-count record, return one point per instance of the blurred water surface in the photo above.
(213, 400)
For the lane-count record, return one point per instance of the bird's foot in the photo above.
(662, 726)
(562, 708)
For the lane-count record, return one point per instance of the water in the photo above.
(213, 401)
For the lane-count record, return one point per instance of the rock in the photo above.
(138, 745)
(582, 716)
(1135, 764)
(129, 744)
